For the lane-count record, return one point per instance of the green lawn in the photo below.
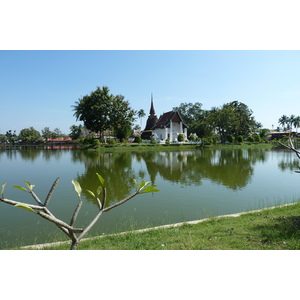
(271, 229)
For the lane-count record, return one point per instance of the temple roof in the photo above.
(168, 117)
(152, 111)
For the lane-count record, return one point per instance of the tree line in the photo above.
(233, 121)
(31, 135)
(104, 113)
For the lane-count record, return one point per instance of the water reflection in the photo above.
(288, 162)
(230, 168)
(115, 168)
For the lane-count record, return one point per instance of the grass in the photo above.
(270, 229)
(171, 147)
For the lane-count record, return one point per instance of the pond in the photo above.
(193, 185)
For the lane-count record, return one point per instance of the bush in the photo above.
(111, 141)
(87, 140)
(257, 138)
(250, 139)
(231, 139)
(138, 139)
(192, 138)
(240, 139)
(180, 137)
(153, 140)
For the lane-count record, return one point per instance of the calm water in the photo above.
(193, 185)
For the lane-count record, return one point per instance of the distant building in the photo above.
(168, 126)
(275, 135)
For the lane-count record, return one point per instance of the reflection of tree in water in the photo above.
(288, 162)
(30, 154)
(231, 168)
(116, 170)
(49, 154)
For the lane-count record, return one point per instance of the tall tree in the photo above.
(11, 136)
(195, 118)
(46, 133)
(29, 135)
(122, 117)
(141, 114)
(296, 122)
(283, 120)
(102, 111)
(234, 118)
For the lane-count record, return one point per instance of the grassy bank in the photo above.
(173, 147)
(270, 229)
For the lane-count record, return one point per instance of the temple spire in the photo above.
(152, 111)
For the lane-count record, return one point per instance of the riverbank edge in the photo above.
(45, 245)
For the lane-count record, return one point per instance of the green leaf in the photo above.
(100, 179)
(93, 195)
(77, 187)
(149, 189)
(20, 188)
(30, 186)
(135, 183)
(24, 206)
(2, 190)
(99, 190)
(143, 184)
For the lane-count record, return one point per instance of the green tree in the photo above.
(121, 117)
(141, 114)
(75, 132)
(57, 133)
(283, 120)
(234, 118)
(46, 133)
(29, 135)
(195, 118)
(11, 136)
(102, 111)
(296, 122)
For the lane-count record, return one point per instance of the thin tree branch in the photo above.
(121, 202)
(76, 212)
(58, 222)
(51, 191)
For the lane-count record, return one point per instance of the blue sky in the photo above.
(38, 88)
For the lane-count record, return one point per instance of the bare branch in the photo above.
(12, 202)
(36, 198)
(51, 191)
(58, 222)
(121, 202)
(76, 212)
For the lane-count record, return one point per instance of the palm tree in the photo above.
(283, 120)
(296, 123)
(291, 121)
(141, 114)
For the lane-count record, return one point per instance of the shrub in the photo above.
(250, 139)
(257, 138)
(138, 139)
(240, 139)
(231, 139)
(192, 138)
(180, 137)
(111, 141)
(153, 140)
